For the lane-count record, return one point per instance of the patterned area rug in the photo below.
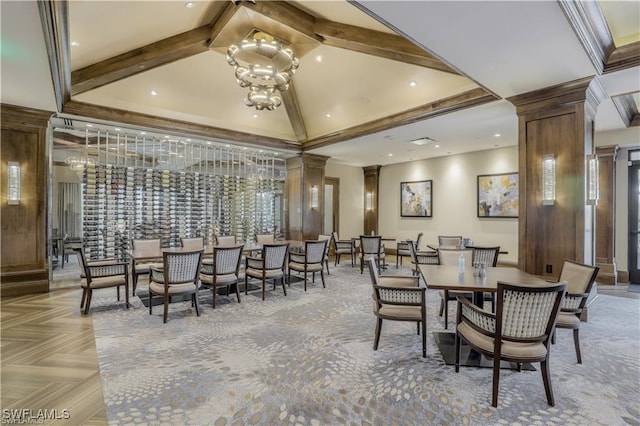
(307, 358)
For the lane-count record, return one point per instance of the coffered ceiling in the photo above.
(390, 71)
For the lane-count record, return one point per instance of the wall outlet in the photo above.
(549, 269)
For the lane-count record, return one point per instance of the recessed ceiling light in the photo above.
(152, 92)
(497, 135)
(227, 146)
(436, 146)
(188, 140)
(190, 4)
(255, 115)
(261, 150)
(412, 83)
(143, 133)
(390, 155)
(245, 148)
(89, 125)
(328, 115)
(209, 143)
(166, 136)
(75, 44)
(117, 129)
(319, 58)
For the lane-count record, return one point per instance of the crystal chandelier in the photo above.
(265, 66)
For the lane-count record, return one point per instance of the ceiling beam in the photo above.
(376, 43)
(176, 126)
(627, 109)
(623, 57)
(141, 59)
(286, 14)
(54, 17)
(448, 105)
(290, 100)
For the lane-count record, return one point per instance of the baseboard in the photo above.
(623, 276)
(23, 288)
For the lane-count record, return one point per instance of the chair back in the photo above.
(226, 240)
(329, 240)
(265, 239)
(418, 241)
(486, 255)
(449, 241)
(579, 279)
(424, 258)
(181, 267)
(146, 244)
(196, 243)
(449, 257)
(226, 260)
(526, 313)
(370, 244)
(315, 250)
(83, 260)
(274, 255)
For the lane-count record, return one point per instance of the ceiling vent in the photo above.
(422, 141)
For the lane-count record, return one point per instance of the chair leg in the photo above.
(87, 304)
(576, 342)
(135, 284)
(378, 330)
(118, 293)
(284, 288)
(546, 379)
(126, 294)
(150, 300)
(322, 277)
(457, 343)
(496, 379)
(361, 264)
(213, 290)
(424, 337)
(245, 285)
(327, 265)
(553, 337)
(195, 302)
(237, 292)
(441, 307)
(397, 260)
(264, 283)
(83, 300)
(166, 308)
(446, 309)
(337, 260)
(305, 278)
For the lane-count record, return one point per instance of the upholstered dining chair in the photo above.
(448, 241)
(195, 243)
(328, 239)
(398, 298)
(225, 240)
(371, 246)
(449, 257)
(265, 239)
(341, 247)
(178, 276)
(69, 246)
(489, 257)
(579, 279)
(143, 268)
(422, 258)
(270, 266)
(312, 260)
(519, 331)
(402, 248)
(101, 274)
(222, 270)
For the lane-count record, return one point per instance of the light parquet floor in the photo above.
(49, 360)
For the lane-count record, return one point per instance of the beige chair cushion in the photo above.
(104, 282)
(144, 267)
(397, 282)
(312, 267)
(269, 273)
(567, 320)
(157, 288)
(511, 350)
(400, 312)
(220, 280)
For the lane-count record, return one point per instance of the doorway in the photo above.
(634, 218)
(331, 205)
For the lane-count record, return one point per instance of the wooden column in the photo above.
(303, 173)
(371, 185)
(556, 120)
(606, 215)
(23, 241)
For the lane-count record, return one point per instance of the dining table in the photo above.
(441, 277)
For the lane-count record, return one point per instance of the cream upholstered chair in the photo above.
(265, 239)
(195, 243)
(448, 241)
(519, 331)
(402, 248)
(178, 276)
(449, 257)
(328, 239)
(422, 258)
(142, 268)
(101, 274)
(579, 279)
(312, 260)
(226, 240)
(223, 270)
(371, 246)
(486, 255)
(270, 266)
(341, 247)
(398, 298)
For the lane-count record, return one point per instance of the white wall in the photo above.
(351, 198)
(454, 200)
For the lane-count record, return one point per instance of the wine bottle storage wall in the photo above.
(122, 203)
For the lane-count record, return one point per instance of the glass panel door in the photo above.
(634, 222)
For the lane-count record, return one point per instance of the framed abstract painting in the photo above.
(415, 198)
(498, 195)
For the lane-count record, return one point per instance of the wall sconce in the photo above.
(369, 201)
(314, 197)
(593, 179)
(13, 183)
(548, 180)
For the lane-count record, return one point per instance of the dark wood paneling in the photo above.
(605, 210)
(304, 172)
(294, 199)
(371, 184)
(23, 239)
